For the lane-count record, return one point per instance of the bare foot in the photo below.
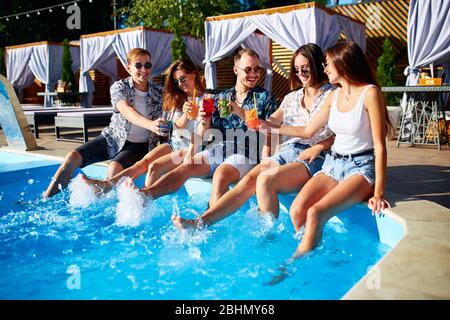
(182, 223)
(100, 186)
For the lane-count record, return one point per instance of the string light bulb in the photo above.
(63, 7)
(50, 10)
(17, 17)
(38, 13)
(28, 15)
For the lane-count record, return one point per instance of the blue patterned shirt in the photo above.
(265, 105)
(117, 132)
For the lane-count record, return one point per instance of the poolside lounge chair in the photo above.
(46, 116)
(81, 120)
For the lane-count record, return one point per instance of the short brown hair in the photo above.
(133, 54)
(241, 52)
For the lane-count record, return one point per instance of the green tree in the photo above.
(265, 4)
(178, 16)
(66, 72)
(386, 70)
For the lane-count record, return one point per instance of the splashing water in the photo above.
(81, 194)
(131, 209)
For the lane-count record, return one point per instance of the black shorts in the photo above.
(96, 150)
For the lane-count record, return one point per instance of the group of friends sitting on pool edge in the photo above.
(325, 141)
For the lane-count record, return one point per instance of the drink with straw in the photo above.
(194, 108)
(223, 105)
(251, 116)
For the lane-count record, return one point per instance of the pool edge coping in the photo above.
(418, 266)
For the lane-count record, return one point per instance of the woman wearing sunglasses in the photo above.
(183, 81)
(355, 170)
(135, 126)
(298, 159)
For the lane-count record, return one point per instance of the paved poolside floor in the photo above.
(421, 171)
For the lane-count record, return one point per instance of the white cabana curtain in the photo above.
(100, 52)
(292, 30)
(428, 36)
(353, 31)
(96, 53)
(42, 62)
(44, 71)
(17, 69)
(195, 49)
(222, 38)
(262, 46)
(159, 45)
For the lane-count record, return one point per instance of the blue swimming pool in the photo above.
(58, 249)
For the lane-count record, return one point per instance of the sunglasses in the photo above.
(248, 70)
(303, 71)
(180, 80)
(146, 65)
(324, 64)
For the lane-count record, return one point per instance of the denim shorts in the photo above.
(341, 169)
(289, 154)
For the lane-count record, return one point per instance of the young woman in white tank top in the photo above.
(357, 114)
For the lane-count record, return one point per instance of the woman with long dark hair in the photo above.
(357, 114)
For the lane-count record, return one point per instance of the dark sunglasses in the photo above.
(180, 80)
(302, 71)
(248, 70)
(324, 64)
(146, 65)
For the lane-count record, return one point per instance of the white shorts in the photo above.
(214, 157)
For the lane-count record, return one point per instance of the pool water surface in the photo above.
(76, 246)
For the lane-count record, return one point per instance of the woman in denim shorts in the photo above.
(357, 114)
(298, 159)
(183, 81)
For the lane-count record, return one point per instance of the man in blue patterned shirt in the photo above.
(230, 157)
(135, 127)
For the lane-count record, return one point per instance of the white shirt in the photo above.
(295, 115)
(352, 128)
(138, 134)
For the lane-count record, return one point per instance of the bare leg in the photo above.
(231, 201)
(225, 175)
(114, 168)
(173, 180)
(163, 165)
(344, 195)
(72, 161)
(139, 168)
(287, 178)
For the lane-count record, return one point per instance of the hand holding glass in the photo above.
(208, 104)
(251, 118)
(192, 115)
(224, 108)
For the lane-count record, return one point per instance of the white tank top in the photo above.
(352, 128)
